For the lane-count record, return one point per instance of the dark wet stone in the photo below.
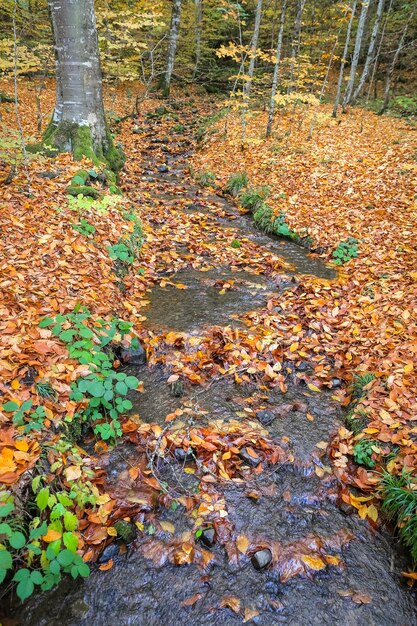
(347, 509)
(163, 169)
(303, 366)
(207, 537)
(183, 456)
(79, 609)
(29, 377)
(49, 175)
(248, 459)
(125, 530)
(266, 417)
(133, 356)
(177, 389)
(109, 552)
(336, 383)
(149, 179)
(261, 559)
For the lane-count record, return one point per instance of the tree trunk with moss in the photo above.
(78, 124)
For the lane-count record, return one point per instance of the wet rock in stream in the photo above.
(261, 559)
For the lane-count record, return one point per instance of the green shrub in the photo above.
(345, 251)
(236, 183)
(268, 222)
(359, 382)
(103, 390)
(84, 227)
(399, 495)
(362, 452)
(206, 179)
(22, 551)
(404, 105)
(253, 199)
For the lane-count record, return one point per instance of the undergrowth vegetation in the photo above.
(399, 495)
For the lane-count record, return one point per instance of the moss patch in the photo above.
(70, 137)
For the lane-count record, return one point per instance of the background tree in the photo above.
(172, 46)
(356, 52)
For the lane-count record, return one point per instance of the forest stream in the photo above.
(304, 557)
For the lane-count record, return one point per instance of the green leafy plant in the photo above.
(268, 222)
(38, 555)
(362, 452)
(236, 183)
(84, 227)
(399, 495)
(103, 390)
(236, 243)
(23, 415)
(253, 199)
(345, 251)
(120, 252)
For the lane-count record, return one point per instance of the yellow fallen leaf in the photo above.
(22, 445)
(51, 535)
(167, 526)
(313, 387)
(242, 543)
(313, 562)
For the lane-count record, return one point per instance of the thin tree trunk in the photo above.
(78, 123)
(394, 62)
(295, 44)
(254, 47)
(198, 20)
(276, 69)
(371, 49)
(356, 52)
(343, 61)
(172, 46)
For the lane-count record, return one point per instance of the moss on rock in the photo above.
(85, 190)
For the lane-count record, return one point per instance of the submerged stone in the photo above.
(133, 356)
(125, 530)
(248, 458)
(261, 559)
(183, 456)
(163, 169)
(208, 537)
(266, 417)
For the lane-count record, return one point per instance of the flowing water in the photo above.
(293, 509)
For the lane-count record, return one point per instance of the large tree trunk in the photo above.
(371, 50)
(254, 47)
(343, 61)
(276, 69)
(356, 53)
(78, 123)
(174, 31)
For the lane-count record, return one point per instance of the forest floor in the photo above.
(256, 352)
